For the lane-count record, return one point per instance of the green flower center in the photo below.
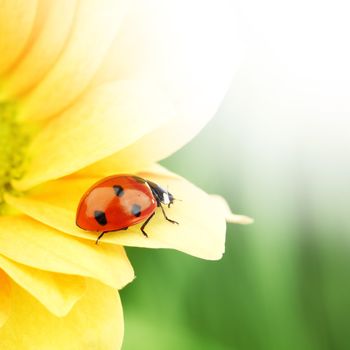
(13, 139)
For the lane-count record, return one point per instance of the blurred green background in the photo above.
(277, 150)
(284, 282)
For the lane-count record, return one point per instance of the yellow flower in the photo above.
(87, 89)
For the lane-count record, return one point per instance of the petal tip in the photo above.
(239, 219)
(229, 216)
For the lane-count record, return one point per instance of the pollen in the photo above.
(13, 141)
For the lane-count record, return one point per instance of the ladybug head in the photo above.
(168, 198)
(161, 195)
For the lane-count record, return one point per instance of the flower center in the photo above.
(13, 139)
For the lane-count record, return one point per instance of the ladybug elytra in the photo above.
(117, 202)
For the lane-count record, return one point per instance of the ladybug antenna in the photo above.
(172, 197)
(172, 200)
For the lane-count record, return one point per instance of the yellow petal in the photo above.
(106, 120)
(194, 64)
(57, 211)
(229, 216)
(148, 149)
(95, 27)
(34, 244)
(95, 322)
(16, 21)
(55, 291)
(114, 165)
(201, 231)
(5, 297)
(55, 28)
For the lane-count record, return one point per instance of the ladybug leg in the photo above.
(172, 221)
(145, 223)
(100, 236)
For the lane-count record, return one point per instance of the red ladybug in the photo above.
(117, 202)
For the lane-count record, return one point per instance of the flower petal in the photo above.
(194, 64)
(16, 21)
(229, 216)
(55, 28)
(95, 322)
(61, 213)
(116, 165)
(55, 291)
(201, 231)
(95, 27)
(34, 244)
(104, 121)
(5, 297)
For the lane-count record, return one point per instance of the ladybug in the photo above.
(117, 202)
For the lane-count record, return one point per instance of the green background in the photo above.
(284, 281)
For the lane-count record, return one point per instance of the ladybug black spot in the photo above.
(119, 190)
(136, 210)
(100, 217)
